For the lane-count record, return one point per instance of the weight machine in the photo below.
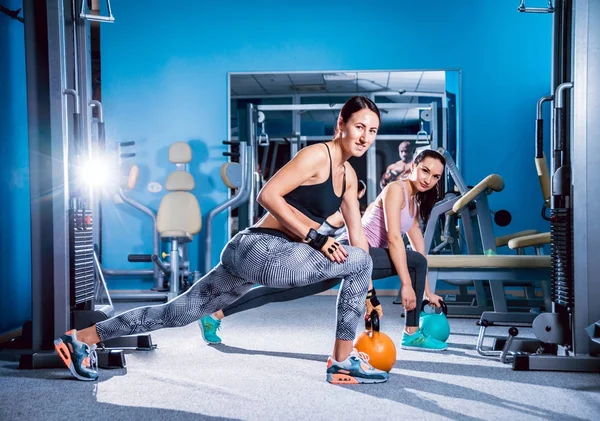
(68, 290)
(568, 337)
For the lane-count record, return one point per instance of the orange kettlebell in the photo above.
(377, 345)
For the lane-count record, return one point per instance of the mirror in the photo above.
(419, 109)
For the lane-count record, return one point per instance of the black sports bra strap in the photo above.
(344, 182)
(330, 163)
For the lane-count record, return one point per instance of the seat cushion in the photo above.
(180, 181)
(181, 235)
(179, 211)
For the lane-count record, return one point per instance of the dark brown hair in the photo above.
(426, 200)
(354, 104)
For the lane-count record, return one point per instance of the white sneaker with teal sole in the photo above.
(418, 341)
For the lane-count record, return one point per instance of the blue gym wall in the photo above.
(15, 239)
(164, 79)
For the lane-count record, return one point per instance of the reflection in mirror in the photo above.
(273, 115)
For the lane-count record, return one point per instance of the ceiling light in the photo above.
(339, 76)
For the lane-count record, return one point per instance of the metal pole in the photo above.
(539, 127)
(252, 118)
(48, 115)
(454, 172)
(296, 129)
(317, 107)
(445, 122)
(434, 126)
(242, 194)
(586, 189)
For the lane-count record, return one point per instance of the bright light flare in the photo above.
(94, 173)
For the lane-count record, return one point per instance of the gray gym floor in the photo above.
(272, 367)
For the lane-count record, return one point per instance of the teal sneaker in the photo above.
(208, 327)
(419, 341)
(80, 358)
(354, 370)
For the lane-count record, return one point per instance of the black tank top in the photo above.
(317, 201)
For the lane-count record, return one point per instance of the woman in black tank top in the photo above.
(282, 250)
(313, 186)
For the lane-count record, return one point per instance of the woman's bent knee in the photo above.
(417, 261)
(360, 258)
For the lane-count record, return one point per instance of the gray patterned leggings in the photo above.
(255, 256)
(382, 268)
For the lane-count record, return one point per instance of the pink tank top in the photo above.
(373, 223)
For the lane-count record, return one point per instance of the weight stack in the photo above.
(562, 275)
(82, 258)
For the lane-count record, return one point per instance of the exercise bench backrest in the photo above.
(179, 212)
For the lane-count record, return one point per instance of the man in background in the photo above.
(401, 168)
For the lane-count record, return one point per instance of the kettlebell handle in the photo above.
(442, 304)
(372, 321)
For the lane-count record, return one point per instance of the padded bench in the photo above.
(498, 269)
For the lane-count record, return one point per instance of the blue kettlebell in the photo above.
(435, 324)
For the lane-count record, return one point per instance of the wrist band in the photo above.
(374, 301)
(372, 297)
(315, 239)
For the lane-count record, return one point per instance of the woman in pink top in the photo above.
(392, 215)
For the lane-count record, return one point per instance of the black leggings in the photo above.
(382, 268)
(417, 268)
